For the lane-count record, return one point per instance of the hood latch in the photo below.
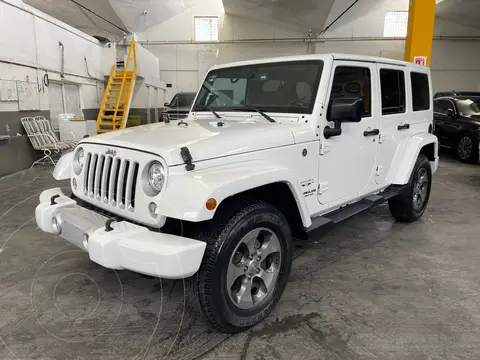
(187, 158)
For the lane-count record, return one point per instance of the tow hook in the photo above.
(108, 224)
(52, 199)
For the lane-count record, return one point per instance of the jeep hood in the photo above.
(205, 139)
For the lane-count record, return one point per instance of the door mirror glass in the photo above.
(450, 113)
(166, 104)
(345, 110)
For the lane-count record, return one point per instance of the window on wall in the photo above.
(392, 84)
(206, 28)
(420, 91)
(352, 82)
(396, 24)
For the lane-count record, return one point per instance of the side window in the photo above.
(420, 91)
(353, 82)
(392, 84)
(441, 106)
(174, 101)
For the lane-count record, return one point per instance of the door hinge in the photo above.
(379, 170)
(322, 187)
(325, 147)
(380, 138)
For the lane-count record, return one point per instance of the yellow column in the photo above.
(421, 20)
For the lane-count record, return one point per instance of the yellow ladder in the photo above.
(118, 94)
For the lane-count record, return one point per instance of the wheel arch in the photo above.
(269, 193)
(186, 194)
(426, 144)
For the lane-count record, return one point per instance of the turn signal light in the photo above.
(211, 204)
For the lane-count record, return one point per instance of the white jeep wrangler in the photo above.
(272, 149)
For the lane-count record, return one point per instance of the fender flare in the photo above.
(402, 170)
(186, 194)
(63, 167)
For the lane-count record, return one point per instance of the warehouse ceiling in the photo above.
(463, 12)
(76, 15)
(302, 14)
(110, 18)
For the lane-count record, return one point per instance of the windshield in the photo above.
(275, 87)
(468, 106)
(183, 100)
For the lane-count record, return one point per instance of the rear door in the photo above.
(393, 114)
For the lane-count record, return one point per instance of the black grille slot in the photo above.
(115, 179)
(134, 184)
(109, 174)
(87, 172)
(91, 178)
(124, 182)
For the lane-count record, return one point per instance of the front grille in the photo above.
(111, 179)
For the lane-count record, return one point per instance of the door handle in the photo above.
(403, 127)
(371, 132)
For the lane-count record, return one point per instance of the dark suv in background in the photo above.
(179, 107)
(457, 123)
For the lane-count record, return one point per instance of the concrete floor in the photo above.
(370, 289)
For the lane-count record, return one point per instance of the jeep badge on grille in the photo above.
(111, 152)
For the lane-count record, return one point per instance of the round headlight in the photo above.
(78, 161)
(156, 176)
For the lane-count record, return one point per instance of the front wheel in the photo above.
(245, 268)
(412, 202)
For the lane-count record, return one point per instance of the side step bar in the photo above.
(327, 221)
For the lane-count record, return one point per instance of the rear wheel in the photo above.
(245, 268)
(412, 202)
(467, 148)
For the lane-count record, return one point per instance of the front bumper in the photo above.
(125, 246)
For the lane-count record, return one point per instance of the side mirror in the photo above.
(166, 104)
(343, 110)
(450, 113)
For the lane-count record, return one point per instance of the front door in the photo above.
(347, 161)
(446, 126)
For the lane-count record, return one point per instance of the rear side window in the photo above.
(420, 91)
(393, 91)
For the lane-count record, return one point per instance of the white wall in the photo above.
(31, 39)
(183, 63)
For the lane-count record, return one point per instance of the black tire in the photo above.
(402, 206)
(208, 287)
(471, 157)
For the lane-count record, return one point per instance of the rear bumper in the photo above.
(125, 246)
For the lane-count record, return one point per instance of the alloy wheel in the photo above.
(254, 268)
(465, 148)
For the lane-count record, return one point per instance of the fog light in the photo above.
(152, 207)
(56, 226)
(74, 183)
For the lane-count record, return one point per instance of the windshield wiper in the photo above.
(208, 107)
(201, 108)
(246, 107)
(214, 112)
